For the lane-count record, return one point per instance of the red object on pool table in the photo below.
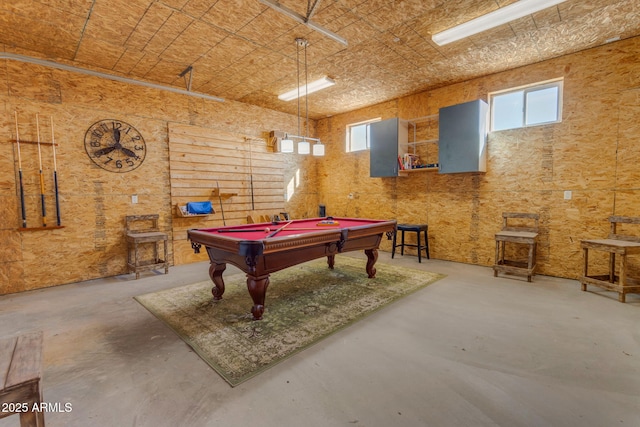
(259, 252)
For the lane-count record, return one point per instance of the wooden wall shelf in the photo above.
(403, 171)
(51, 227)
(15, 141)
(216, 193)
(181, 213)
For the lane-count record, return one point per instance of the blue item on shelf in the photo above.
(199, 208)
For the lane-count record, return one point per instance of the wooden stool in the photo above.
(137, 237)
(615, 244)
(520, 235)
(415, 228)
(20, 375)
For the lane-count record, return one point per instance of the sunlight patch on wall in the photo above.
(291, 188)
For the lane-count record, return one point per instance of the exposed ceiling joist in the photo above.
(305, 19)
(52, 64)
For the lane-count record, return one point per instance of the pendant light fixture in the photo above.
(318, 149)
(304, 146)
(286, 145)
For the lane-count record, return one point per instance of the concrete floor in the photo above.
(469, 350)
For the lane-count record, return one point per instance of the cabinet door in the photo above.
(384, 148)
(463, 137)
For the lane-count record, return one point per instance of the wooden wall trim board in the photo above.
(201, 159)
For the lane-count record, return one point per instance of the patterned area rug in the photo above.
(304, 304)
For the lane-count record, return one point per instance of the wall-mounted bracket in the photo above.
(188, 70)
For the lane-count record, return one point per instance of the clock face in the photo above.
(115, 145)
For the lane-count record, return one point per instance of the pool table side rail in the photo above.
(209, 237)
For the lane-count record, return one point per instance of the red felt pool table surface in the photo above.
(291, 228)
(259, 252)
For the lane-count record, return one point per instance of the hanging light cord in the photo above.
(298, 41)
(306, 90)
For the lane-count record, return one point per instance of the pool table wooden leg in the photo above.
(215, 272)
(331, 261)
(372, 257)
(258, 290)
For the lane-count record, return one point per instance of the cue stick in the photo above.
(251, 173)
(55, 173)
(44, 209)
(221, 208)
(22, 205)
(267, 229)
(313, 228)
(280, 229)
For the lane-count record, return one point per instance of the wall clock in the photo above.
(115, 146)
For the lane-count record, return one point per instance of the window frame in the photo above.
(534, 87)
(367, 141)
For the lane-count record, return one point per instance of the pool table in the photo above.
(261, 249)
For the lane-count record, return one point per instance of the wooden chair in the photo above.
(614, 244)
(518, 234)
(136, 237)
(20, 379)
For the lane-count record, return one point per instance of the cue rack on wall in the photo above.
(37, 176)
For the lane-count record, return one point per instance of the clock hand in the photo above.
(128, 152)
(104, 151)
(116, 136)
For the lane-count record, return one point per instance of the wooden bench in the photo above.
(136, 237)
(615, 244)
(20, 375)
(518, 234)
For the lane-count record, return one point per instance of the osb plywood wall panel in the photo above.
(345, 186)
(94, 202)
(250, 180)
(593, 153)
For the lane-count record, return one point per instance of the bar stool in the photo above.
(415, 228)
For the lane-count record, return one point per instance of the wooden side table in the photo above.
(616, 244)
(520, 234)
(20, 378)
(136, 238)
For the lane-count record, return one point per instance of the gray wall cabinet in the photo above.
(385, 137)
(462, 145)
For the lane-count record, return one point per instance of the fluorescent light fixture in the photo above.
(304, 147)
(306, 89)
(286, 145)
(493, 19)
(318, 149)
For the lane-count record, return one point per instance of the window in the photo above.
(532, 105)
(358, 137)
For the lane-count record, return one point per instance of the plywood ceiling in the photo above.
(244, 50)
